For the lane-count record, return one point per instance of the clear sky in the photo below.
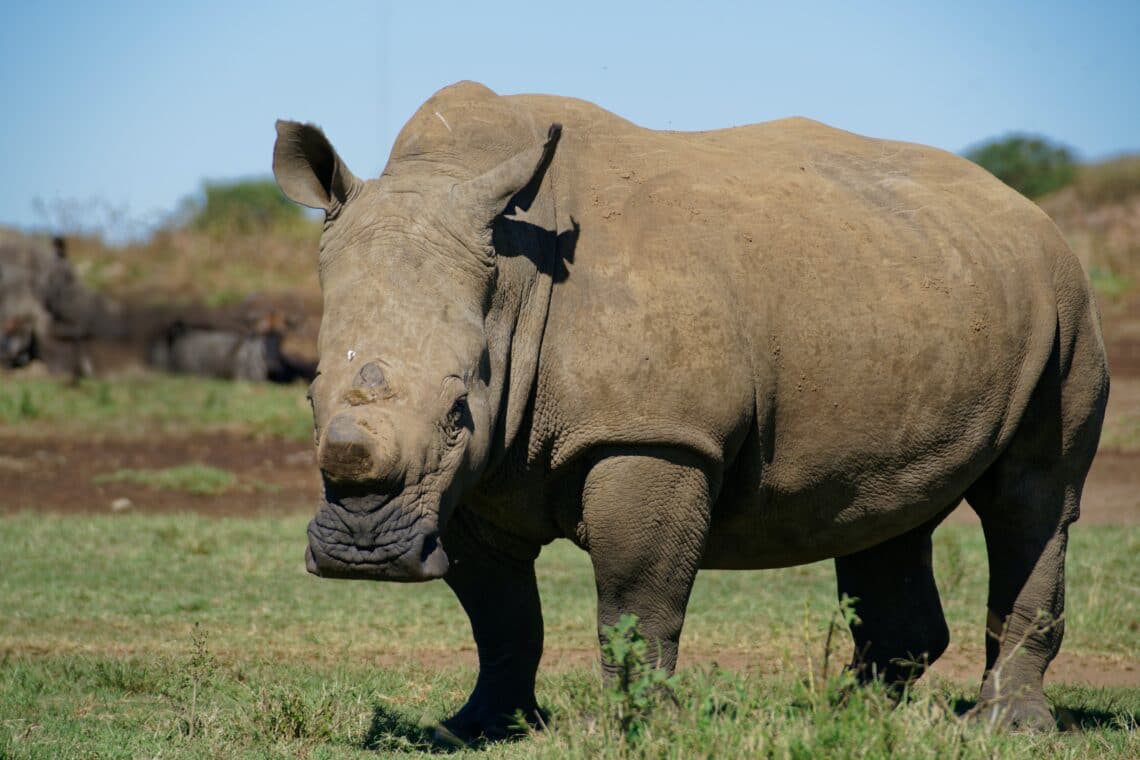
(128, 106)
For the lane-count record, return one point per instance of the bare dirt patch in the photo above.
(59, 474)
(1111, 495)
(959, 664)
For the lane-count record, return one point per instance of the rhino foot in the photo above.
(476, 723)
(1017, 714)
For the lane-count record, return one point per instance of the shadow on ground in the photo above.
(1071, 718)
(392, 731)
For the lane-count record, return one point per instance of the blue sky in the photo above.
(127, 107)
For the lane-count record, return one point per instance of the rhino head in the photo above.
(406, 395)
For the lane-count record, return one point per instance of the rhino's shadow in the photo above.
(392, 731)
(1070, 718)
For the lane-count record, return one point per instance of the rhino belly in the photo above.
(781, 530)
(824, 484)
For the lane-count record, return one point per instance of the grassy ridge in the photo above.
(203, 266)
(121, 632)
(150, 403)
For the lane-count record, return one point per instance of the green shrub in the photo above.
(1033, 166)
(242, 207)
(638, 687)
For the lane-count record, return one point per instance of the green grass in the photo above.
(199, 479)
(149, 403)
(1108, 283)
(119, 633)
(83, 706)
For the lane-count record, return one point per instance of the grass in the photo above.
(199, 479)
(136, 631)
(73, 706)
(145, 404)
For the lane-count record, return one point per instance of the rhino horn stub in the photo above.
(308, 169)
(486, 196)
(348, 452)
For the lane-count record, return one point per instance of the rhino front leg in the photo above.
(493, 576)
(645, 516)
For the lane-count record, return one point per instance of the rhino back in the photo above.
(807, 306)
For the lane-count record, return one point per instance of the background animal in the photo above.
(252, 353)
(46, 309)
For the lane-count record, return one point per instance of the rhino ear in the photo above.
(486, 196)
(309, 171)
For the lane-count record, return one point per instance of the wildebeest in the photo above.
(745, 348)
(254, 353)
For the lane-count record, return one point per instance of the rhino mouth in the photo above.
(375, 538)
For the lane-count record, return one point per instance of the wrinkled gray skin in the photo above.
(748, 348)
(45, 311)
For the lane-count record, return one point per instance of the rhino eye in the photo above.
(457, 415)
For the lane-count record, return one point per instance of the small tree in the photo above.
(242, 207)
(1033, 166)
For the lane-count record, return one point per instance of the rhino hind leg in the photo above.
(1026, 501)
(493, 577)
(645, 518)
(901, 629)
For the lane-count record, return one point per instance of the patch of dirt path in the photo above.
(59, 474)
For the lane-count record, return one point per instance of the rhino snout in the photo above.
(422, 558)
(350, 453)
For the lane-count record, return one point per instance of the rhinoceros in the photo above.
(747, 348)
(19, 331)
(46, 311)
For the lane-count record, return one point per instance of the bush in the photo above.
(245, 207)
(1033, 166)
(638, 687)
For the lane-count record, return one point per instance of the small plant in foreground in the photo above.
(197, 677)
(843, 617)
(638, 686)
(28, 408)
